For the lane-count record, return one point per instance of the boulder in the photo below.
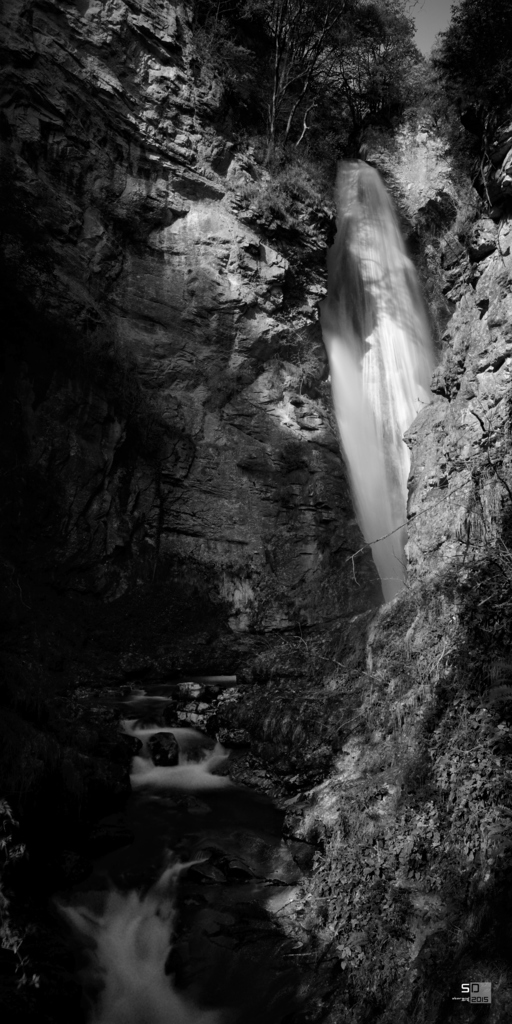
(164, 749)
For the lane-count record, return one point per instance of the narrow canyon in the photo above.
(247, 773)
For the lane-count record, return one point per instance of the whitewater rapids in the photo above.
(129, 942)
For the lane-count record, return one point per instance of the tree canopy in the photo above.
(474, 54)
(312, 70)
(375, 56)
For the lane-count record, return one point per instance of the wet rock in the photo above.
(247, 855)
(190, 689)
(132, 744)
(237, 870)
(164, 749)
(206, 872)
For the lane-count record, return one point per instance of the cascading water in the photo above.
(380, 355)
(201, 941)
(130, 948)
(129, 938)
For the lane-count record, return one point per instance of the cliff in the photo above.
(167, 431)
(411, 890)
(174, 500)
(173, 495)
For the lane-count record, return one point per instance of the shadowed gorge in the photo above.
(254, 767)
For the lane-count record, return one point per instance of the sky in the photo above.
(431, 17)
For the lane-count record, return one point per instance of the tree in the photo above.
(310, 67)
(301, 34)
(474, 54)
(375, 55)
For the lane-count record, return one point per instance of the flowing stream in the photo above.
(380, 357)
(178, 923)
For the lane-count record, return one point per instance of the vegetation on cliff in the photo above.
(474, 56)
(469, 86)
(299, 73)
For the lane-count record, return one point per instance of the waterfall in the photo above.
(128, 948)
(380, 355)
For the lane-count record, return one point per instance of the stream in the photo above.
(179, 921)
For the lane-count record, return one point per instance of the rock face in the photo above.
(412, 882)
(499, 181)
(170, 432)
(460, 445)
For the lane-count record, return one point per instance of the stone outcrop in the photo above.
(171, 424)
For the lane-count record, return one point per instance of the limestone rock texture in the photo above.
(462, 466)
(412, 823)
(460, 443)
(168, 438)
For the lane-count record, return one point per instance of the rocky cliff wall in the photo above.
(169, 447)
(460, 443)
(411, 888)
(174, 498)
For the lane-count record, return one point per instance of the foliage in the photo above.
(219, 53)
(375, 59)
(474, 56)
(294, 188)
(471, 87)
(416, 868)
(301, 35)
(314, 73)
